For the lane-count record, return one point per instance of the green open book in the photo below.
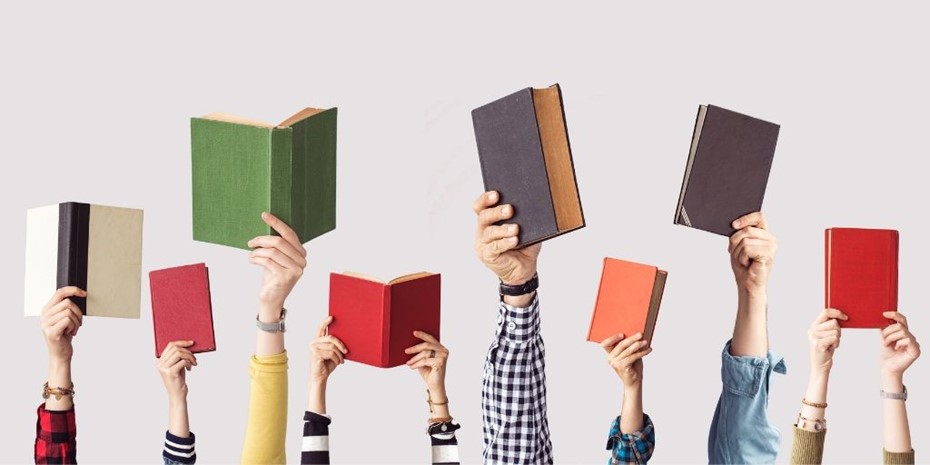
(243, 167)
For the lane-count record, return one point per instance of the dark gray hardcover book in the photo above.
(525, 155)
(728, 169)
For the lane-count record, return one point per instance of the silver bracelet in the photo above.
(894, 395)
(272, 327)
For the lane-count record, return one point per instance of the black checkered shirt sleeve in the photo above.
(516, 430)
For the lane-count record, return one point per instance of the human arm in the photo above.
(429, 359)
(56, 425)
(326, 353)
(514, 384)
(175, 361)
(283, 259)
(900, 350)
(631, 439)
(809, 432)
(740, 431)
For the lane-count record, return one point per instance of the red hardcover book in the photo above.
(181, 307)
(376, 320)
(862, 275)
(628, 300)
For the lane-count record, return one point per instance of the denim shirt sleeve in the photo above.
(741, 431)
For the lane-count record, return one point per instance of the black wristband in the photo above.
(520, 289)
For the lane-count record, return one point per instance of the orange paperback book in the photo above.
(628, 300)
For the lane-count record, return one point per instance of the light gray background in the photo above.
(94, 107)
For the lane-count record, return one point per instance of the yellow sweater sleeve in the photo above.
(807, 446)
(265, 432)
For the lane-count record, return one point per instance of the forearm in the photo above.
(897, 432)
(438, 394)
(59, 376)
(178, 422)
(750, 333)
(317, 401)
(631, 417)
(269, 343)
(816, 394)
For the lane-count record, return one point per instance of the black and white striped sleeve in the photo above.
(179, 450)
(315, 448)
(445, 446)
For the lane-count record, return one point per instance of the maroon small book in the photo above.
(181, 308)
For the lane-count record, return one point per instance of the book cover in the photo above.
(376, 320)
(628, 300)
(727, 171)
(861, 268)
(94, 247)
(525, 155)
(181, 307)
(242, 167)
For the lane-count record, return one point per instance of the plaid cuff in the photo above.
(631, 448)
(179, 450)
(56, 426)
(518, 325)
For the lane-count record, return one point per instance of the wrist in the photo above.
(270, 312)
(517, 279)
(520, 301)
(437, 393)
(633, 388)
(177, 401)
(892, 382)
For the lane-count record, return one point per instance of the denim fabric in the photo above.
(740, 431)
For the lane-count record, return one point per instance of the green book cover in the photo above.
(242, 167)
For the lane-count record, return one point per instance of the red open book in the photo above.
(628, 300)
(376, 320)
(862, 275)
(181, 307)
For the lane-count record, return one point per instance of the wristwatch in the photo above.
(811, 425)
(272, 327)
(894, 395)
(521, 289)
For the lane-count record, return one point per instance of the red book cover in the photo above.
(181, 307)
(376, 320)
(862, 274)
(628, 300)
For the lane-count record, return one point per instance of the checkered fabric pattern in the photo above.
(56, 437)
(513, 398)
(634, 448)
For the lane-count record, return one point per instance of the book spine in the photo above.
(73, 225)
(386, 327)
(827, 250)
(893, 304)
(280, 173)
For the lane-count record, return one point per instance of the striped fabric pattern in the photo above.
(179, 450)
(445, 446)
(315, 448)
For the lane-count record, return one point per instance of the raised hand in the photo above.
(824, 337)
(495, 245)
(284, 259)
(625, 356)
(61, 318)
(899, 347)
(326, 353)
(429, 360)
(173, 364)
(752, 251)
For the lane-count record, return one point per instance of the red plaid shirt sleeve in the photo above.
(56, 437)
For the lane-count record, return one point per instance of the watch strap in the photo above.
(520, 289)
(277, 327)
(894, 395)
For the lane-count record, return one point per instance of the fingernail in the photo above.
(512, 228)
(506, 209)
(736, 224)
(492, 196)
(512, 240)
